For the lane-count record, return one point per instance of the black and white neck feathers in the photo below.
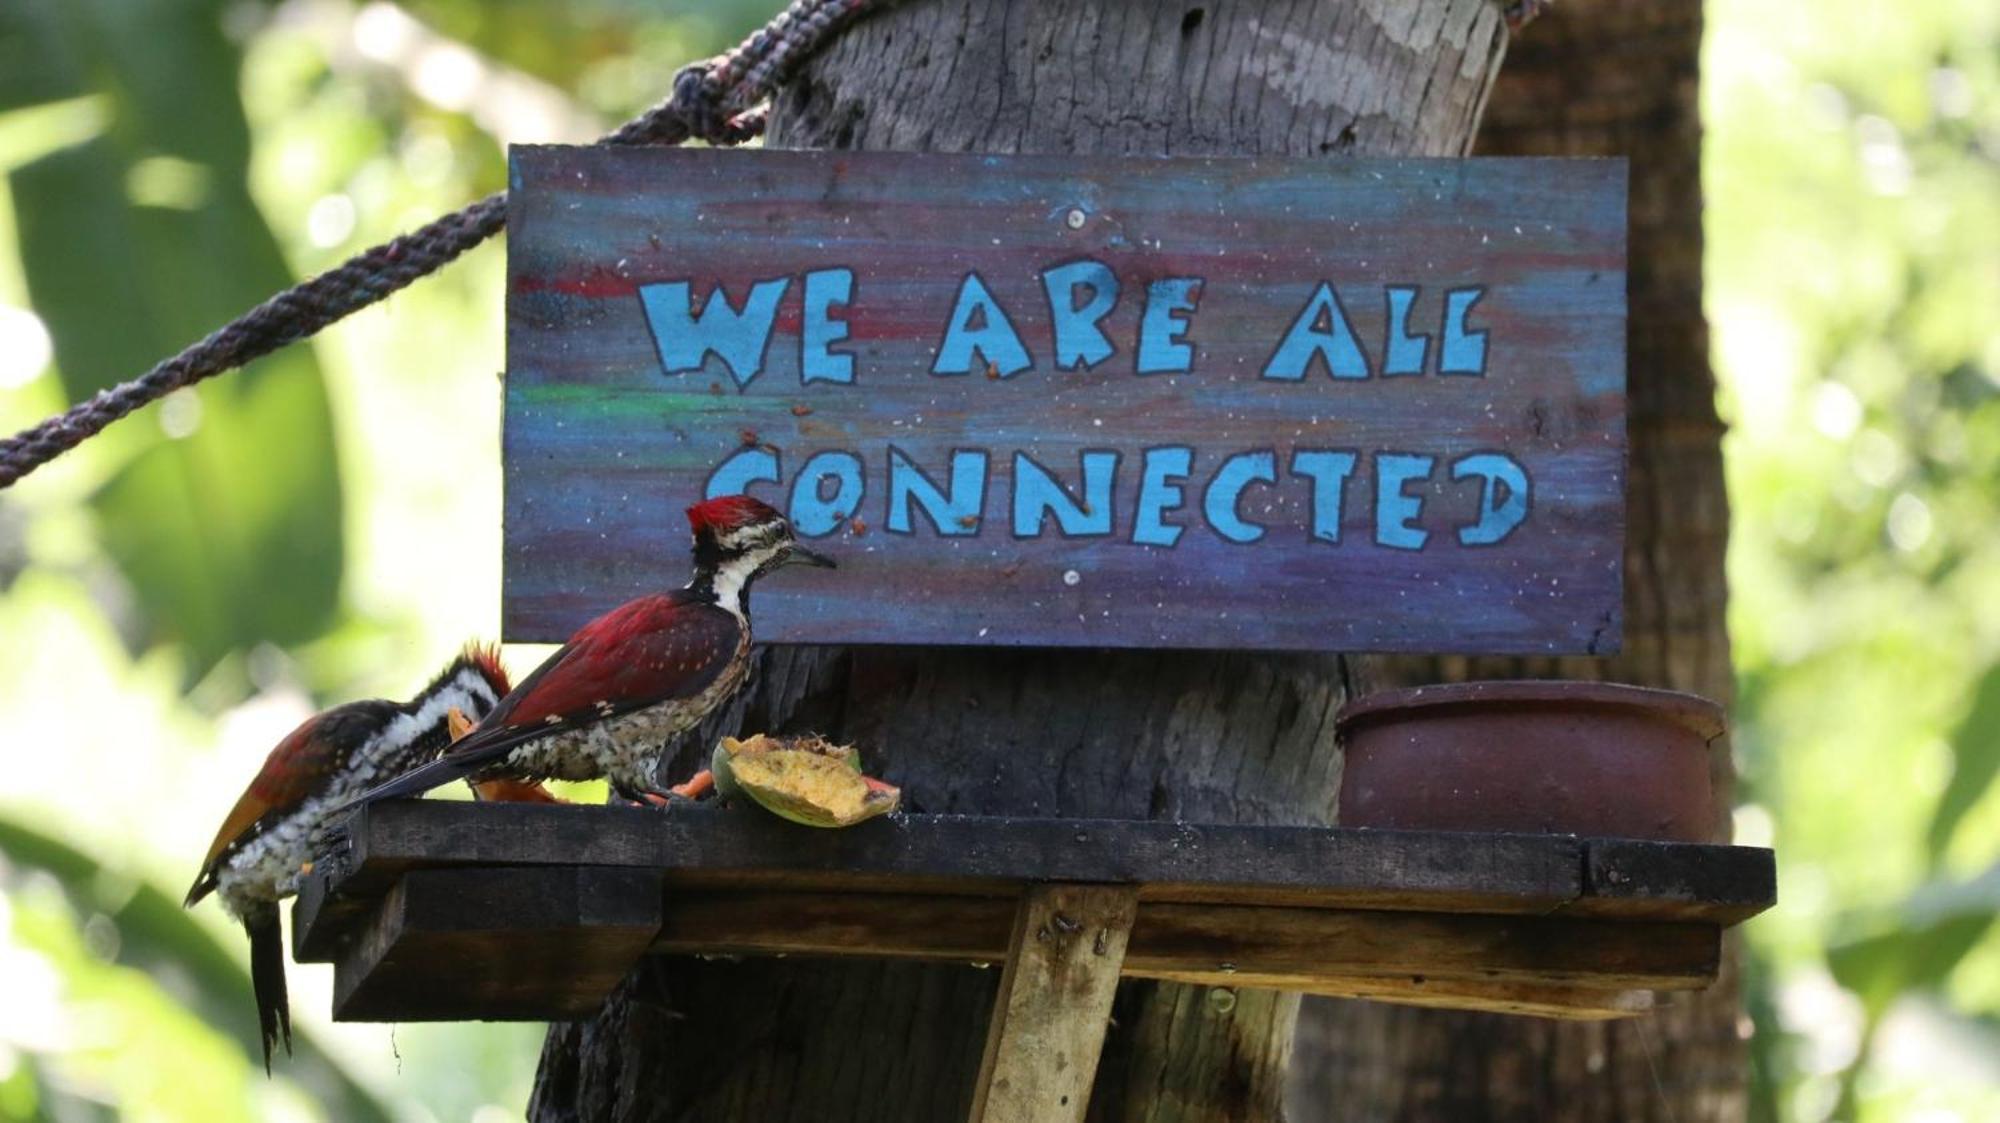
(419, 730)
(727, 564)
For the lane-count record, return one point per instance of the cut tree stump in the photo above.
(448, 911)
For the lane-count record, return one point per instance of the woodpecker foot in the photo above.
(644, 797)
(698, 785)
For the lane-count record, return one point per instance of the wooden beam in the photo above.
(1283, 947)
(497, 944)
(1667, 880)
(1573, 1002)
(708, 847)
(1049, 1018)
(440, 910)
(976, 930)
(873, 925)
(546, 944)
(1292, 948)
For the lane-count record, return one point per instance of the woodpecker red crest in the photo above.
(726, 513)
(606, 702)
(278, 826)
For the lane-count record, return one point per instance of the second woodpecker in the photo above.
(608, 701)
(278, 827)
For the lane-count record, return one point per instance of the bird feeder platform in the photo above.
(444, 911)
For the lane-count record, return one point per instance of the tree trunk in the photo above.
(1187, 735)
(1617, 77)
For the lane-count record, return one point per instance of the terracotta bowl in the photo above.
(1583, 758)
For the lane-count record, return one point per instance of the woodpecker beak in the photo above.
(802, 556)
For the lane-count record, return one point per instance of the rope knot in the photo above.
(698, 93)
(710, 100)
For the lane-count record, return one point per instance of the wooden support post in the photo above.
(1054, 1005)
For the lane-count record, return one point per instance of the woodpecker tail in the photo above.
(415, 782)
(480, 748)
(267, 979)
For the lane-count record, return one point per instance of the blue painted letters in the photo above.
(1320, 332)
(743, 467)
(1463, 352)
(1159, 492)
(1161, 349)
(814, 514)
(1037, 494)
(953, 515)
(737, 336)
(1406, 354)
(1079, 341)
(1394, 508)
(1328, 472)
(979, 325)
(1225, 494)
(1503, 501)
(818, 331)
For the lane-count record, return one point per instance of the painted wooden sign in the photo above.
(1276, 404)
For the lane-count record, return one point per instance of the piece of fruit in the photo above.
(808, 780)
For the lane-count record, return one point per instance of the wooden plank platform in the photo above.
(442, 911)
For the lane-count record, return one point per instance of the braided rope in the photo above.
(711, 100)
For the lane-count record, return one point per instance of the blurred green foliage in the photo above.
(1853, 185)
(110, 229)
(320, 527)
(325, 526)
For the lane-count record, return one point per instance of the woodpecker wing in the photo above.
(298, 767)
(644, 652)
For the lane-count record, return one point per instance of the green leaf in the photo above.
(1919, 944)
(158, 937)
(136, 243)
(1975, 754)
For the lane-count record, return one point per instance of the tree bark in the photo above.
(1617, 77)
(1186, 735)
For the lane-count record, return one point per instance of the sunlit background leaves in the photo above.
(325, 526)
(1853, 183)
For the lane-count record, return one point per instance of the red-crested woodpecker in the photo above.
(268, 843)
(606, 703)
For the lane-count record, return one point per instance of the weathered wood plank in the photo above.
(872, 925)
(442, 946)
(322, 918)
(975, 930)
(1218, 943)
(1287, 948)
(1470, 313)
(497, 944)
(1575, 1002)
(1049, 1017)
(435, 909)
(721, 846)
(1633, 878)
(707, 847)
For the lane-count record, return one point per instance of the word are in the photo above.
(979, 333)
(832, 487)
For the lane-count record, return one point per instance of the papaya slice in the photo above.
(808, 780)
